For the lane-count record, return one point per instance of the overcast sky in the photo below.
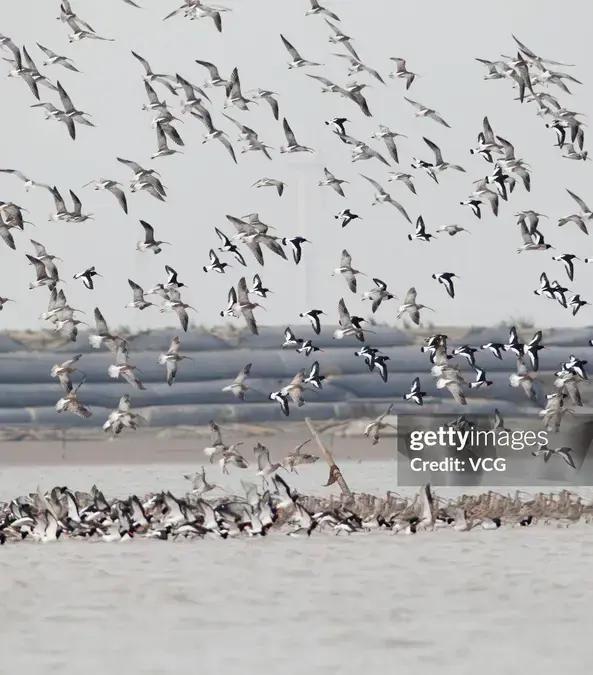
(203, 184)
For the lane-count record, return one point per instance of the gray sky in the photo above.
(203, 184)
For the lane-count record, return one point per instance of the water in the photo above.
(512, 599)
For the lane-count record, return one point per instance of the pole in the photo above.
(335, 475)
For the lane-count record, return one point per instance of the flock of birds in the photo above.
(68, 515)
(531, 76)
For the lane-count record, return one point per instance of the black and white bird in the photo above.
(258, 288)
(346, 217)
(567, 259)
(87, 277)
(446, 279)
(467, 353)
(481, 380)
(575, 302)
(380, 365)
(228, 246)
(496, 348)
(420, 231)
(315, 378)
(215, 263)
(295, 244)
(415, 394)
(314, 317)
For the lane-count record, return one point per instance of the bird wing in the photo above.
(579, 201)
(410, 297)
(290, 49)
(288, 132)
(435, 148)
(136, 290)
(148, 232)
(346, 259)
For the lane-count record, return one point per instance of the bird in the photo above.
(297, 60)
(297, 457)
(163, 147)
(295, 244)
(331, 181)
(315, 378)
(420, 231)
(229, 247)
(113, 187)
(238, 386)
(374, 428)
(87, 277)
(411, 308)
(452, 230)
(150, 243)
(401, 71)
(346, 216)
(525, 380)
(138, 302)
(547, 452)
(404, 178)
(127, 372)
(446, 279)
(171, 359)
(347, 271)
(316, 8)
(313, 315)
(29, 182)
(481, 380)
(271, 182)
(56, 59)
(383, 197)
(567, 259)
(63, 371)
(424, 111)
(291, 143)
(389, 137)
(415, 394)
(215, 263)
(439, 162)
(377, 294)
